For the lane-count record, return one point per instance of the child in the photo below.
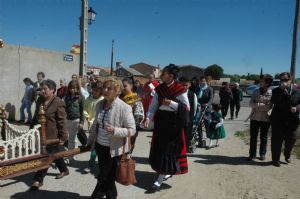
(216, 128)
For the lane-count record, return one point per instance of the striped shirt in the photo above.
(103, 137)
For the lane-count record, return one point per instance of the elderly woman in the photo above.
(56, 127)
(170, 111)
(113, 121)
(260, 103)
(62, 91)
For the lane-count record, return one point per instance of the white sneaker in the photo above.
(167, 177)
(156, 183)
(86, 170)
(67, 161)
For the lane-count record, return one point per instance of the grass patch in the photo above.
(245, 136)
(297, 146)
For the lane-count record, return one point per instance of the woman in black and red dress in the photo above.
(169, 110)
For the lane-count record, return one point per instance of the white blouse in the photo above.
(103, 137)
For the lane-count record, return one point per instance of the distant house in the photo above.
(220, 81)
(99, 70)
(146, 69)
(190, 71)
(128, 72)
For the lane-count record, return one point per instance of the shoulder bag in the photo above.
(125, 173)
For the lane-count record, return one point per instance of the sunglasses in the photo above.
(284, 80)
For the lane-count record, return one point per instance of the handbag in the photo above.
(82, 137)
(125, 173)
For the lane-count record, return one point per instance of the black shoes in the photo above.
(288, 160)
(190, 150)
(250, 158)
(36, 185)
(276, 163)
(62, 174)
(262, 157)
(153, 189)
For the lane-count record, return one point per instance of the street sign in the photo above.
(68, 57)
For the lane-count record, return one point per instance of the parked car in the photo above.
(250, 89)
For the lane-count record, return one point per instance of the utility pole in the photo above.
(83, 37)
(112, 58)
(295, 36)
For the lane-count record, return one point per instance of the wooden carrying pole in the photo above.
(36, 164)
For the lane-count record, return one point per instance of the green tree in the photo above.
(235, 78)
(215, 71)
(297, 81)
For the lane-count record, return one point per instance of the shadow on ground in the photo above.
(47, 195)
(145, 179)
(141, 160)
(27, 179)
(82, 167)
(220, 159)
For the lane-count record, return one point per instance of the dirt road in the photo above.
(218, 173)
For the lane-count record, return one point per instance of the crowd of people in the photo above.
(112, 109)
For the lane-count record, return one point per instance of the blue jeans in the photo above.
(26, 104)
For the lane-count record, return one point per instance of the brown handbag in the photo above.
(125, 173)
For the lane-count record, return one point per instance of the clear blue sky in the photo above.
(239, 35)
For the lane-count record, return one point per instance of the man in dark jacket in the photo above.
(225, 98)
(205, 96)
(284, 118)
(37, 85)
(237, 97)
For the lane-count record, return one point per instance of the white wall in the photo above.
(18, 62)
